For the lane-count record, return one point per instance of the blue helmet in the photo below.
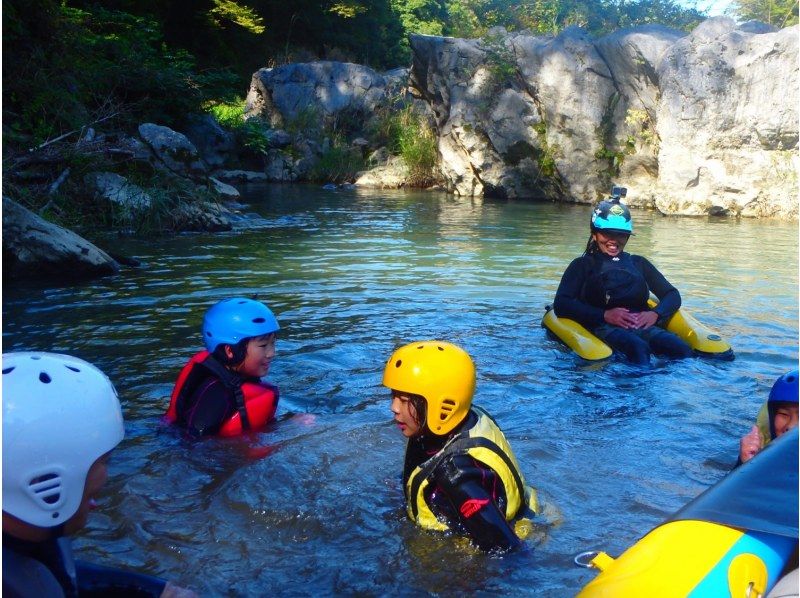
(785, 390)
(235, 319)
(612, 216)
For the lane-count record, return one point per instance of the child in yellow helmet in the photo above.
(460, 473)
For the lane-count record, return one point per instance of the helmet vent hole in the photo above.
(8, 370)
(258, 320)
(448, 406)
(440, 348)
(47, 488)
(73, 368)
(398, 363)
(45, 377)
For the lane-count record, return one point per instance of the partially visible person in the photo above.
(606, 290)
(778, 415)
(61, 420)
(460, 473)
(221, 391)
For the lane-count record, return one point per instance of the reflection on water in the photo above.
(351, 275)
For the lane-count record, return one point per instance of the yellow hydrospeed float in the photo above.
(737, 539)
(704, 341)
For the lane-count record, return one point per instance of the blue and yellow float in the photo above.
(736, 539)
(703, 340)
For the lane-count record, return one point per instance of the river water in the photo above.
(312, 505)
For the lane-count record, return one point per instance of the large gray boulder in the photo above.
(391, 175)
(33, 247)
(174, 151)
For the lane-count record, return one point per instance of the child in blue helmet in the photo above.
(777, 416)
(220, 390)
(606, 290)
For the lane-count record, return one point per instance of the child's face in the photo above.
(260, 352)
(95, 479)
(785, 418)
(405, 415)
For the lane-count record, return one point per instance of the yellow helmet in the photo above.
(440, 372)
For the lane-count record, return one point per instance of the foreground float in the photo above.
(738, 538)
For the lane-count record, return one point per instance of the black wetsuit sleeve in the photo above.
(669, 299)
(473, 491)
(212, 404)
(568, 302)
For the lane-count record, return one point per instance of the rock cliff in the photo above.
(704, 123)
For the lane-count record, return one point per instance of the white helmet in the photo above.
(60, 414)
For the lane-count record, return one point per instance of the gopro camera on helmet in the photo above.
(618, 192)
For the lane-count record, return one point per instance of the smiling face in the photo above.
(785, 417)
(405, 414)
(610, 243)
(259, 356)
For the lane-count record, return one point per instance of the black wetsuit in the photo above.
(47, 570)
(458, 480)
(207, 401)
(596, 282)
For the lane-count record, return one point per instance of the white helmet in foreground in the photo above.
(60, 414)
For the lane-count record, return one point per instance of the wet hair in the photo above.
(239, 351)
(421, 408)
(591, 245)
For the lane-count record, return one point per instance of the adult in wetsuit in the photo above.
(239, 334)
(61, 419)
(460, 472)
(606, 290)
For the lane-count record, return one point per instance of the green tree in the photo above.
(780, 13)
(422, 16)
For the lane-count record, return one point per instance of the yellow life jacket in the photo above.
(762, 421)
(486, 443)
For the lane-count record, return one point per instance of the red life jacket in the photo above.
(256, 403)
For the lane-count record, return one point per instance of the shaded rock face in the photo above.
(705, 123)
(282, 94)
(216, 145)
(33, 247)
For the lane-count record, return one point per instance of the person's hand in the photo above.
(749, 445)
(305, 419)
(646, 319)
(173, 591)
(620, 316)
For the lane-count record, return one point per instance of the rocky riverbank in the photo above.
(693, 124)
